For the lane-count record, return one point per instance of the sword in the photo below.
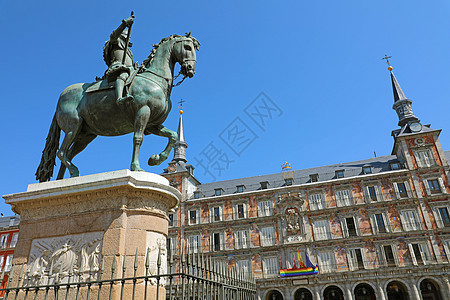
(128, 41)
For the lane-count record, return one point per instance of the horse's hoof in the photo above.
(154, 160)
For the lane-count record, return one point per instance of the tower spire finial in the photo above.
(180, 145)
(402, 105)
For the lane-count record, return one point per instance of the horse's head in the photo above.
(184, 50)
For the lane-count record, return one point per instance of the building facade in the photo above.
(377, 228)
(9, 233)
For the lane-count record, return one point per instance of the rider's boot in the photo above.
(120, 83)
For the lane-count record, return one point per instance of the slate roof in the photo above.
(6, 222)
(379, 165)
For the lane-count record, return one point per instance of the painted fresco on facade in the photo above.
(387, 190)
(335, 226)
(256, 265)
(394, 219)
(341, 258)
(364, 222)
(252, 207)
(441, 249)
(204, 213)
(329, 197)
(229, 239)
(293, 226)
(228, 210)
(231, 261)
(254, 235)
(205, 245)
(357, 192)
(371, 254)
(404, 256)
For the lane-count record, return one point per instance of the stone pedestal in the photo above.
(75, 223)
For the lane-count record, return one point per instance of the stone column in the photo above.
(317, 292)
(348, 290)
(80, 221)
(446, 286)
(381, 293)
(415, 290)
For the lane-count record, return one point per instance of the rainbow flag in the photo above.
(308, 269)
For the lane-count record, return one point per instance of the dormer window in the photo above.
(367, 170)
(264, 185)
(218, 192)
(196, 194)
(314, 177)
(394, 165)
(288, 181)
(240, 188)
(339, 174)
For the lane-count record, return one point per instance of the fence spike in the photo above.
(135, 262)
(102, 267)
(158, 262)
(124, 265)
(147, 261)
(113, 267)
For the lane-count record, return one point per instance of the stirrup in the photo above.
(126, 99)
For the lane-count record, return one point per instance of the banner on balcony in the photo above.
(300, 268)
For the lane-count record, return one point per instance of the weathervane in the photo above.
(181, 106)
(386, 57)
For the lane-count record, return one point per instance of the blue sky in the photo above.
(318, 61)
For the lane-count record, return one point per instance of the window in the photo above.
(196, 194)
(316, 201)
(245, 267)
(217, 192)
(265, 208)
(242, 239)
(344, 198)
(172, 220)
(193, 217)
(424, 158)
(321, 230)
(216, 214)
(402, 192)
(420, 253)
(240, 211)
(410, 220)
(270, 266)
(434, 186)
(356, 260)
(267, 236)
(193, 243)
(339, 174)
(395, 165)
(4, 240)
(2, 259)
(350, 227)
(288, 181)
(217, 238)
(388, 255)
(8, 263)
(171, 245)
(367, 170)
(314, 177)
(373, 193)
(239, 188)
(264, 185)
(327, 261)
(379, 223)
(444, 216)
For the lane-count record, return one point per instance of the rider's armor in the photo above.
(113, 52)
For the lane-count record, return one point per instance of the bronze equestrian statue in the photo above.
(86, 110)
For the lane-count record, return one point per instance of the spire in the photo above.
(180, 146)
(402, 105)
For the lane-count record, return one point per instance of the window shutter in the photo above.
(397, 192)
(351, 259)
(387, 225)
(404, 221)
(427, 187)
(379, 193)
(438, 218)
(374, 224)
(446, 248)
(425, 253)
(441, 184)
(418, 160)
(382, 255)
(412, 254)
(408, 189)
(363, 255)
(221, 241)
(395, 253)
(344, 227)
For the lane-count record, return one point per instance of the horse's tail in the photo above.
(45, 170)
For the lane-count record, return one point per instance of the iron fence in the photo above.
(190, 276)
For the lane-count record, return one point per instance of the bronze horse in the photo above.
(86, 110)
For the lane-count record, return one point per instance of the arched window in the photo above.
(274, 295)
(333, 293)
(430, 290)
(397, 291)
(303, 294)
(363, 291)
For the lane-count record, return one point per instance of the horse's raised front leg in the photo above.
(140, 123)
(160, 130)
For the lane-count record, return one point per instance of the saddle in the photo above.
(104, 84)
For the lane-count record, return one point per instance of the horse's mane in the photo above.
(148, 61)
